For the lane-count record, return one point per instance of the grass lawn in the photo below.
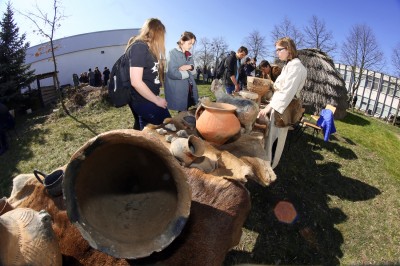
(346, 193)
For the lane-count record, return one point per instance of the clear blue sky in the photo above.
(232, 20)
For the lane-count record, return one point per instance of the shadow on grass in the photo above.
(19, 144)
(317, 142)
(312, 237)
(83, 125)
(333, 147)
(355, 119)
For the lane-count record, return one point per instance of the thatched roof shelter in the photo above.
(324, 84)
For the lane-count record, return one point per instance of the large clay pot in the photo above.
(27, 238)
(217, 122)
(126, 193)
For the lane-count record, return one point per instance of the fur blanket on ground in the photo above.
(219, 208)
(242, 159)
(218, 211)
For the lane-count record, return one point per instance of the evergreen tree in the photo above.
(14, 74)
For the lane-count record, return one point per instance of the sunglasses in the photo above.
(280, 49)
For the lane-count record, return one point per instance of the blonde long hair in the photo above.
(153, 34)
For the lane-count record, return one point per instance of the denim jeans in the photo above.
(148, 113)
(230, 89)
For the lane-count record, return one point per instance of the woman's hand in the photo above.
(264, 112)
(185, 68)
(161, 102)
(237, 87)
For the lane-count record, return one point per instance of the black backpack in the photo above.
(220, 72)
(119, 86)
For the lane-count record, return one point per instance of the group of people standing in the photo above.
(208, 74)
(95, 78)
(286, 87)
(146, 53)
(248, 68)
(147, 63)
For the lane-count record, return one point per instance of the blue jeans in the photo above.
(230, 89)
(148, 113)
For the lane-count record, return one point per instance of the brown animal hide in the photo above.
(220, 205)
(276, 71)
(219, 210)
(291, 115)
(242, 159)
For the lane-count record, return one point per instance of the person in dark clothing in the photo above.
(6, 122)
(146, 53)
(97, 77)
(198, 71)
(91, 77)
(354, 101)
(251, 66)
(269, 72)
(106, 76)
(231, 77)
(245, 70)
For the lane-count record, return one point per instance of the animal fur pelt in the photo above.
(247, 110)
(239, 160)
(292, 114)
(218, 211)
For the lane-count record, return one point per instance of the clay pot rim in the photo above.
(219, 106)
(95, 236)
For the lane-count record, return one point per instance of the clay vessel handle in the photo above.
(199, 111)
(37, 173)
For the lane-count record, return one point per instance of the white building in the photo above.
(78, 53)
(378, 94)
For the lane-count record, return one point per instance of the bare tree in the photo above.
(46, 25)
(286, 28)
(396, 65)
(219, 48)
(256, 45)
(396, 59)
(204, 53)
(317, 36)
(361, 51)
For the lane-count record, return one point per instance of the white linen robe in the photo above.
(288, 85)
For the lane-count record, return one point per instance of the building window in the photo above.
(371, 106)
(363, 81)
(391, 89)
(376, 83)
(378, 110)
(386, 109)
(397, 89)
(385, 86)
(370, 82)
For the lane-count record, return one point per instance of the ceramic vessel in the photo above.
(126, 193)
(52, 182)
(28, 238)
(186, 150)
(217, 122)
(260, 86)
